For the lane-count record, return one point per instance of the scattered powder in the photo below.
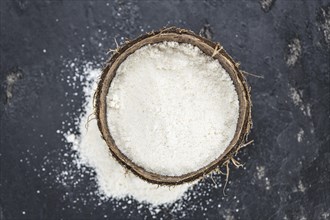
(301, 187)
(172, 109)
(260, 172)
(267, 183)
(261, 175)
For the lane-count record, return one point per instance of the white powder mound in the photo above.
(172, 109)
(113, 180)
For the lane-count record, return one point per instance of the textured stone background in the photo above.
(287, 170)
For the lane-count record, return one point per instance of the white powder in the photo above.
(172, 109)
(113, 180)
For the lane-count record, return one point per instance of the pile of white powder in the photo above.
(172, 110)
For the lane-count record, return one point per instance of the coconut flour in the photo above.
(171, 109)
(204, 94)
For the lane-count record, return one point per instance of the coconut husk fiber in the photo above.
(210, 48)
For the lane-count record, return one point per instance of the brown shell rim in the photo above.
(213, 49)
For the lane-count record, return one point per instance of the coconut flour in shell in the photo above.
(171, 109)
(202, 89)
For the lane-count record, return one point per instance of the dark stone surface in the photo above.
(285, 177)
